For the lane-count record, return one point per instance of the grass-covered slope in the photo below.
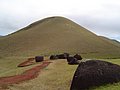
(55, 35)
(112, 41)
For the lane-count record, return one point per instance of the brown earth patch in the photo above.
(28, 62)
(27, 75)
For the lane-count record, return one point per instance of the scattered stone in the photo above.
(39, 58)
(72, 61)
(59, 56)
(63, 56)
(78, 57)
(53, 57)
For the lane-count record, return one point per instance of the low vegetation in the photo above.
(49, 36)
(58, 76)
(56, 35)
(8, 66)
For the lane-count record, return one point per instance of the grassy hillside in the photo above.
(1, 36)
(112, 41)
(56, 35)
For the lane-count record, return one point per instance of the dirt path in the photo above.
(27, 75)
(28, 62)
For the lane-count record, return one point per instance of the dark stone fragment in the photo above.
(95, 73)
(39, 58)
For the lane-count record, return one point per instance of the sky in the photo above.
(99, 16)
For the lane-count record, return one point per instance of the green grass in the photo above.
(58, 76)
(8, 66)
(115, 86)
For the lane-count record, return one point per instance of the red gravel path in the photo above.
(27, 75)
(27, 63)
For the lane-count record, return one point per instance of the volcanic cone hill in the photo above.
(55, 35)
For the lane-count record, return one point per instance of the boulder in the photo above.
(95, 73)
(78, 57)
(72, 61)
(66, 55)
(53, 57)
(63, 56)
(39, 58)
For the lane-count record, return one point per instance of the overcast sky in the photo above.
(99, 16)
